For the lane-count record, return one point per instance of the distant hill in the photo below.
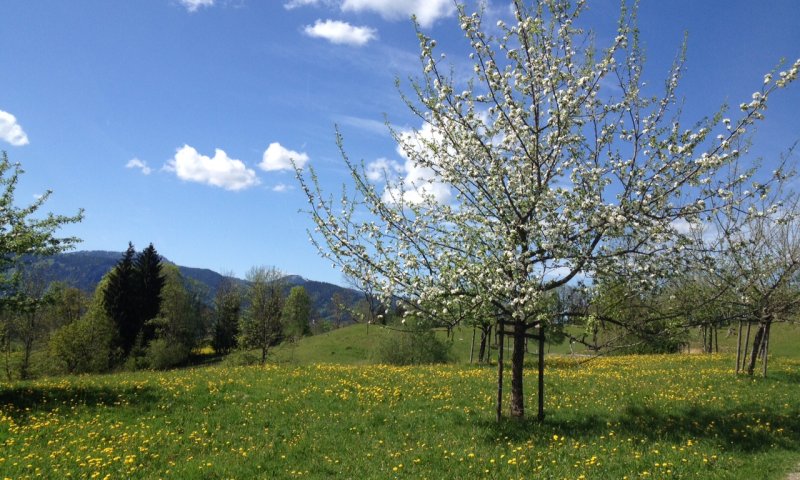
(85, 269)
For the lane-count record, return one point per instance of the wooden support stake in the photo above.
(472, 347)
(739, 347)
(766, 347)
(501, 346)
(746, 345)
(541, 373)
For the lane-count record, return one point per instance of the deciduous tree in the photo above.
(552, 163)
(261, 323)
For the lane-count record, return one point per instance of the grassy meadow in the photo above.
(676, 416)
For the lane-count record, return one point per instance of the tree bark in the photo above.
(716, 339)
(517, 363)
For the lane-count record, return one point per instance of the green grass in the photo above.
(635, 417)
(356, 344)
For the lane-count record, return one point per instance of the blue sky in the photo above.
(170, 121)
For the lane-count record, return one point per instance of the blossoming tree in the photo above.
(755, 273)
(533, 174)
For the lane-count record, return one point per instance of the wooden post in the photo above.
(746, 345)
(703, 329)
(499, 331)
(716, 339)
(739, 347)
(472, 347)
(766, 347)
(541, 373)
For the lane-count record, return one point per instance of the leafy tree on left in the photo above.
(23, 231)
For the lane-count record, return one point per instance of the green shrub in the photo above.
(412, 348)
(85, 345)
(162, 354)
(241, 358)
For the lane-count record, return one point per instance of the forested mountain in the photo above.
(84, 269)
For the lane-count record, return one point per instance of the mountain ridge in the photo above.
(84, 269)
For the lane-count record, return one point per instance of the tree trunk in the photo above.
(756, 348)
(517, 362)
(26, 360)
(716, 339)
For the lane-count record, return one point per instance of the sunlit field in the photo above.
(624, 417)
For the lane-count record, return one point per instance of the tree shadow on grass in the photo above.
(22, 401)
(733, 427)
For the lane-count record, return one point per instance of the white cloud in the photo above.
(194, 5)
(282, 187)
(140, 164)
(219, 171)
(11, 131)
(276, 157)
(292, 4)
(426, 11)
(367, 124)
(341, 33)
(382, 168)
(418, 182)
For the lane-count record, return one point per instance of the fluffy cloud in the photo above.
(340, 32)
(141, 165)
(417, 182)
(426, 11)
(276, 157)
(194, 5)
(11, 131)
(219, 170)
(282, 187)
(292, 4)
(382, 168)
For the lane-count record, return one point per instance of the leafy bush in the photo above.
(241, 358)
(412, 348)
(162, 354)
(85, 345)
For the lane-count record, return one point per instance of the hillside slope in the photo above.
(85, 269)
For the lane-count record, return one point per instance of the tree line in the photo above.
(143, 314)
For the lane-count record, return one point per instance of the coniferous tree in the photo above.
(149, 282)
(228, 309)
(133, 296)
(119, 300)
